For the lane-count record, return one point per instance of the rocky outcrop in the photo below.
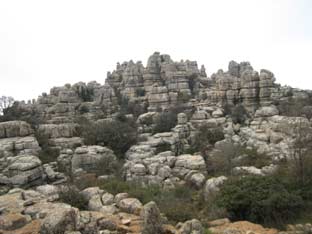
(152, 221)
(168, 159)
(165, 168)
(15, 129)
(90, 159)
(25, 170)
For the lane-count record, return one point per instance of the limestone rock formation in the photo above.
(91, 158)
(44, 144)
(152, 222)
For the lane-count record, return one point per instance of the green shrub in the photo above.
(162, 148)
(115, 185)
(70, 195)
(207, 231)
(140, 92)
(239, 114)
(119, 135)
(259, 199)
(176, 204)
(83, 109)
(165, 122)
(136, 109)
(253, 158)
(107, 166)
(204, 137)
(48, 155)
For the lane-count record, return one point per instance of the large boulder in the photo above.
(152, 222)
(186, 163)
(130, 205)
(15, 129)
(24, 171)
(191, 227)
(19, 145)
(212, 185)
(60, 219)
(58, 130)
(267, 111)
(92, 158)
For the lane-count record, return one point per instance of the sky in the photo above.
(50, 43)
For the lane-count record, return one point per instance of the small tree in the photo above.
(5, 102)
(117, 135)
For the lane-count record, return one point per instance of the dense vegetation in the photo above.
(118, 134)
(259, 199)
(165, 122)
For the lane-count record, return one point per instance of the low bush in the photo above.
(140, 92)
(107, 166)
(119, 134)
(70, 195)
(115, 185)
(239, 114)
(253, 158)
(162, 148)
(178, 205)
(264, 200)
(165, 122)
(204, 138)
(47, 155)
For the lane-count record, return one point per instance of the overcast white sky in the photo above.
(50, 43)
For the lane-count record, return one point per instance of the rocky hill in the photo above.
(167, 125)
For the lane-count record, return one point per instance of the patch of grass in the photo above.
(178, 205)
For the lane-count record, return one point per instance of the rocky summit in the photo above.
(159, 149)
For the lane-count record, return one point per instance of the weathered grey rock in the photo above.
(15, 129)
(267, 111)
(212, 185)
(120, 196)
(109, 209)
(247, 170)
(182, 118)
(197, 179)
(191, 227)
(62, 218)
(48, 190)
(130, 205)
(59, 130)
(89, 158)
(90, 192)
(19, 146)
(186, 163)
(107, 199)
(24, 171)
(152, 221)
